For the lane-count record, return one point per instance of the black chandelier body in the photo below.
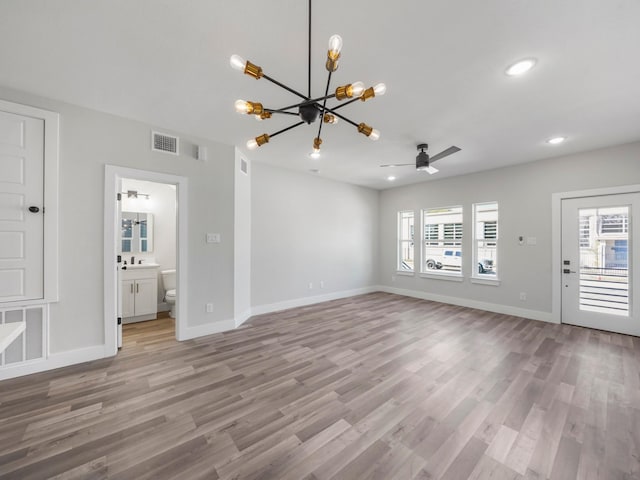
(309, 109)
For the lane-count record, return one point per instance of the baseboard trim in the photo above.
(196, 331)
(465, 302)
(55, 360)
(243, 317)
(301, 302)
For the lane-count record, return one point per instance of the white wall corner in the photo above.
(465, 302)
(243, 317)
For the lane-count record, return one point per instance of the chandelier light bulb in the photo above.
(241, 106)
(237, 62)
(379, 89)
(375, 135)
(357, 88)
(315, 154)
(335, 44)
(252, 144)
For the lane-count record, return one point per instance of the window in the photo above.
(442, 241)
(405, 241)
(485, 239)
(585, 232)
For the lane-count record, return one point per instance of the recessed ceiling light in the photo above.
(556, 140)
(391, 178)
(521, 67)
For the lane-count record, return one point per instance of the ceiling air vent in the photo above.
(161, 142)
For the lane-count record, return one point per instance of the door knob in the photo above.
(34, 209)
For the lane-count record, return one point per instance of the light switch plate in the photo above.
(213, 238)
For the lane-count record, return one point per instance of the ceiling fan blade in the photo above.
(444, 153)
(398, 165)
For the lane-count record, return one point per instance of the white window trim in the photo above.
(485, 281)
(400, 240)
(439, 275)
(451, 277)
(405, 273)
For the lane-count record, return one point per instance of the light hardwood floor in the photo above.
(376, 386)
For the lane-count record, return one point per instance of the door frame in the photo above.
(556, 236)
(112, 178)
(50, 199)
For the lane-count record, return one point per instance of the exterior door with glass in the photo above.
(600, 259)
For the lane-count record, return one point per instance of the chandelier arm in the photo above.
(296, 105)
(324, 102)
(280, 111)
(285, 129)
(346, 103)
(267, 77)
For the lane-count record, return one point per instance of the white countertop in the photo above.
(139, 266)
(9, 332)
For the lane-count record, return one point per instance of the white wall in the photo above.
(306, 229)
(524, 196)
(88, 141)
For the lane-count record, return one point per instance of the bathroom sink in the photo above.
(139, 266)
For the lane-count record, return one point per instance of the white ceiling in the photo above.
(166, 62)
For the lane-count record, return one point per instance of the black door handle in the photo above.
(34, 209)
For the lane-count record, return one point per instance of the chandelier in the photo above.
(309, 109)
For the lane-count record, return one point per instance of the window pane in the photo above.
(442, 245)
(405, 239)
(604, 260)
(486, 238)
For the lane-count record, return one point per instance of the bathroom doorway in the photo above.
(146, 232)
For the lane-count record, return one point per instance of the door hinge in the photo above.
(119, 196)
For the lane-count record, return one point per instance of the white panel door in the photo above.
(601, 262)
(21, 207)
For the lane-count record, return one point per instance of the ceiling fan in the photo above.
(423, 160)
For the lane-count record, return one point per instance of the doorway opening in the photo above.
(146, 231)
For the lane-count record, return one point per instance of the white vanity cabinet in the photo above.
(139, 286)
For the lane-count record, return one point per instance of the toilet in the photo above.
(169, 282)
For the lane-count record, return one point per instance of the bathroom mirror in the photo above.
(136, 232)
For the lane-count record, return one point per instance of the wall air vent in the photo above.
(161, 142)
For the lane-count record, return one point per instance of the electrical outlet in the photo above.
(213, 238)
(321, 283)
(209, 307)
(523, 296)
(310, 285)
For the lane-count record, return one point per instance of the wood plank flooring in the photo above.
(376, 386)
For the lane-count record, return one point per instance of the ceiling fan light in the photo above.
(428, 168)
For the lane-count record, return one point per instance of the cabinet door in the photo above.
(146, 296)
(128, 298)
